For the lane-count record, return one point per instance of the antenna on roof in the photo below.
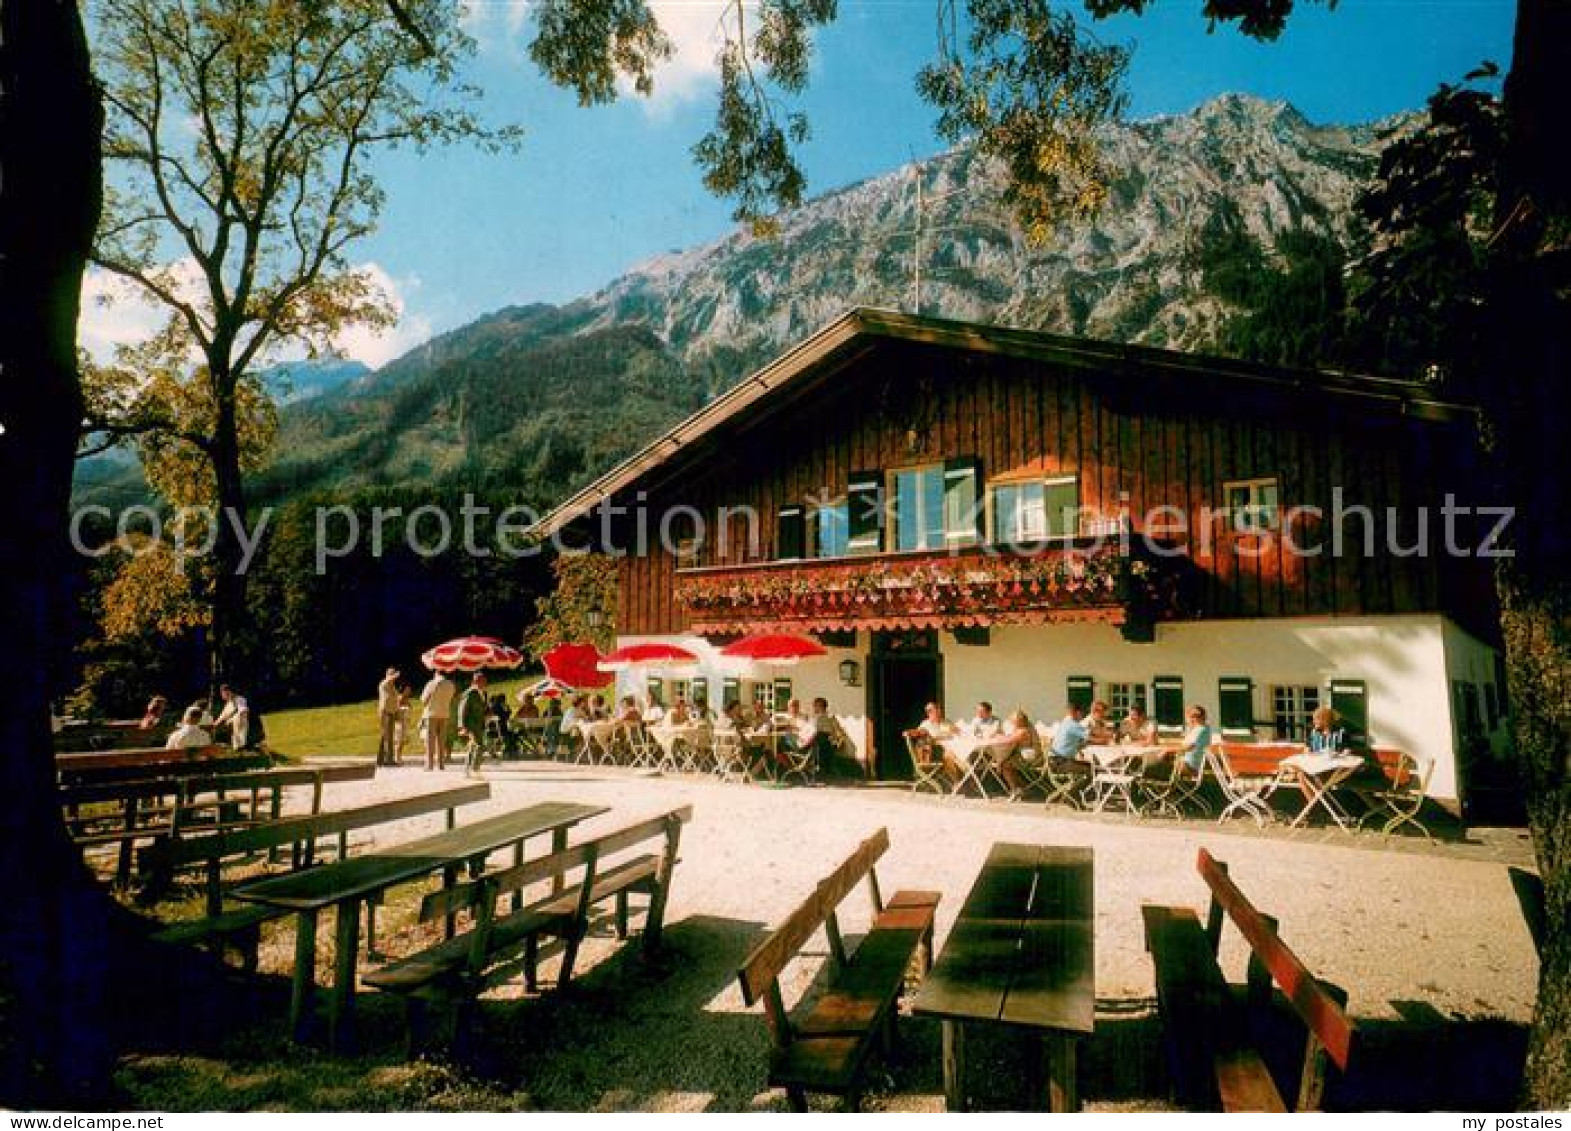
(922, 201)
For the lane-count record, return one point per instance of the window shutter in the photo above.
(865, 511)
(656, 687)
(963, 510)
(1167, 706)
(1082, 689)
(1061, 499)
(1350, 701)
(791, 543)
(973, 636)
(1236, 699)
(730, 691)
(782, 693)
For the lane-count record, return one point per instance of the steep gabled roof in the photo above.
(861, 325)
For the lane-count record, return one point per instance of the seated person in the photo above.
(821, 733)
(933, 723)
(153, 717)
(1197, 738)
(984, 724)
(1070, 736)
(597, 708)
(526, 706)
(1137, 727)
(189, 735)
(1099, 727)
(732, 719)
(680, 714)
(1325, 736)
(1027, 747)
(627, 712)
(653, 711)
(499, 711)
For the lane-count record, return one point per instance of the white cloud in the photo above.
(693, 26)
(115, 312)
(501, 27)
(377, 347)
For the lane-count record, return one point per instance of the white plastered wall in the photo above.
(1404, 661)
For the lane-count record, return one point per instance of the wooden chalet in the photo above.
(964, 512)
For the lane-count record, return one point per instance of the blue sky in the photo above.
(595, 191)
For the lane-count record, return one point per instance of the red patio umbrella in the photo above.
(577, 665)
(470, 654)
(778, 648)
(652, 655)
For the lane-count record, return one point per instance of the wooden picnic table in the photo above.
(1020, 954)
(348, 883)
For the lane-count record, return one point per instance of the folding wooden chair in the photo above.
(1400, 797)
(1246, 779)
(927, 770)
(1114, 780)
(730, 759)
(1173, 785)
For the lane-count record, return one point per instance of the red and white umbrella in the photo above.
(470, 654)
(652, 655)
(547, 688)
(576, 665)
(779, 649)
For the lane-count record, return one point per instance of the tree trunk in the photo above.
(1528, 429)
(233, 639)
(54, 921)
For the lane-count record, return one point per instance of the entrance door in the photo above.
(905, 674)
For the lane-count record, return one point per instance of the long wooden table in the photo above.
(1020, 954)
(347, 884)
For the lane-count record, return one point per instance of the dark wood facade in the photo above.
(1141, 429)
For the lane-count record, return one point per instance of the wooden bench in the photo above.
(451, 974)
(150, 765)
(1213, 1044)
(828, 1049)
(148, 809)
(241, 927)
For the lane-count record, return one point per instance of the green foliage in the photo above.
(1422, 292)
(586, 588)
(586, 44)
(1031, 88)
(748, 154)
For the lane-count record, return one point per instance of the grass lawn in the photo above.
(349, 730)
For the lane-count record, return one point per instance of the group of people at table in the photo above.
(1015, 740)
(798, 729)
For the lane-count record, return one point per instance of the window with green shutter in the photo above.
(782, 693)
(963, 523)
(656, 687)
(1082, 689)
(865, 512)
(730, 691)
(1167, 704)
(1350, 701)
(791, 543)
(1236, 703)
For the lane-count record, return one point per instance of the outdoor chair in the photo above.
(927, 769)
(730, 759)
(799, 762)
(1244, 780)
(1114, 780)
(1399, 795)
(1172, 785)
(978, 769)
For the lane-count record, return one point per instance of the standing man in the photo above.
(472, 711)
(387, 717)
(237, 713)
(438, 700)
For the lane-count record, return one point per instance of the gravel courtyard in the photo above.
(1429, 944)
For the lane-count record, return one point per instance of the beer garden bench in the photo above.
(241, 927)
(451, 974)
(1213, 1049)
(828, 1049)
